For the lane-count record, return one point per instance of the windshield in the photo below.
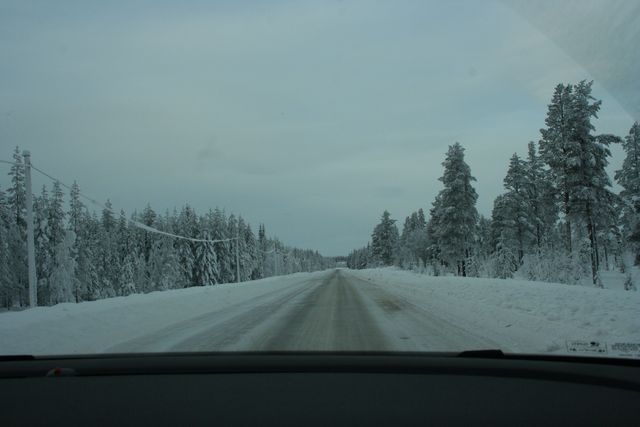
(326, 175)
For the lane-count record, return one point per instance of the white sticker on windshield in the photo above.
(588, 347)
(626, 349)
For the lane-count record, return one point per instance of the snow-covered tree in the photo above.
(517, 208)
(578, 161)
(44, 250)
(413, 243)
(127, 278)
(232, 231)
(225, 251)
(16, 193)
(359, 258)
(5, 273)
(455, 215)
(557, 149)
(107, 246)
(85, 251)
(62, 282)
(263, 249)
(187, 225)
(433, 248)
(110, 256)
(384, 240)
(206, 266)
(592, 184)
(56, 215)
(17, 266)
(505, 260)
(148, 218)
(76, 209)
(164, 271)
(250, 259)
(629, 178)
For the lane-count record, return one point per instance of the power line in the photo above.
(11, 163)
(132, 221)
(276, 251)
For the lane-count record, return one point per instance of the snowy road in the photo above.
(332, 310)
(376, 309)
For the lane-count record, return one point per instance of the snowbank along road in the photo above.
(333, 310)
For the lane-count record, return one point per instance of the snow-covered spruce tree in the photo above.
(262, 251)
(5, 285)
(75, 222)
(518, 207)
(148, 217)
(384, 240)
(232, 231)
(124, 238)
(457, 216)
(16, 193)
(413, 241)
(629, 178)
(127, 278)
(56, 215)
(49, 234)
(17, 266)
(44, 250)
(505, 260)
(503, 239)
(108, 266)
(62, 282)
(541, 197)
(247, 250)
(419, 240)
(17, 231)
(251, 258)
(4, 209)
(523, 216)
(224, 250)
(76, 209)
(206, 266)
(187, 226)
(164, 272)
(87, 251)
(359, 258)
(433, 249)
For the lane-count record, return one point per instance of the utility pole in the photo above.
(238, 257)
(31, 252)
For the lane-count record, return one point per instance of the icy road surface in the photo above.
(376, 309)
(329, 311)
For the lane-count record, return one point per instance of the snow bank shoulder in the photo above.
(529, 317)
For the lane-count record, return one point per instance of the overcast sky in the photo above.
(312, 117)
